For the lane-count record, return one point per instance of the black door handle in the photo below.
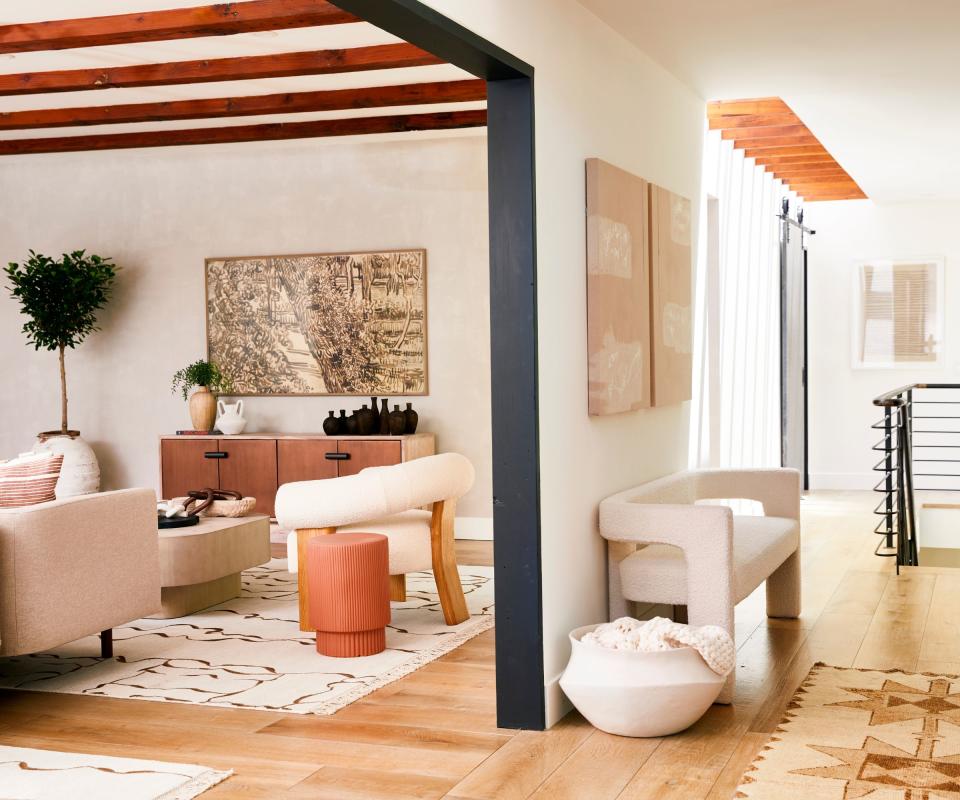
(337, 456)
(215, 454)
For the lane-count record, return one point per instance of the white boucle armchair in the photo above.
(390, 501)
(662, 548)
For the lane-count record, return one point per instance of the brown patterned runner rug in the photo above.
(854, 733)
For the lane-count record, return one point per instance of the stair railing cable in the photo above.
(897, 509)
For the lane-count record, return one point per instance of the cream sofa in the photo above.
(663, 548)
(78, 566)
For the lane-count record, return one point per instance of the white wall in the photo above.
(841, 411)
(596, 95)
(159, 213)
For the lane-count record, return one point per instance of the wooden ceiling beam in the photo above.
(281, 65)
(176, 23)
(793, 155)
(812, 198)
(819, 179)
(288, 103)
(764, 132)
(803, 140)
(809, 159)
(247, 133)
(826, 168)
(753, 121)
(768, 131)
(759, 105)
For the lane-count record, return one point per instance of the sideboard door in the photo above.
(305, 460)
(250, 467)
(183, 466)
(361, 455)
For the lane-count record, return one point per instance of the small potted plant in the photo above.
(62, 297)
(209, 380)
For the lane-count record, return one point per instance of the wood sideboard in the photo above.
(255, 464)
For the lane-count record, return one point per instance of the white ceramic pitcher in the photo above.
(230, 420)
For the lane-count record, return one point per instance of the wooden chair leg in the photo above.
(106, 643)
(304, 535)
(398, 588)
(445, 563)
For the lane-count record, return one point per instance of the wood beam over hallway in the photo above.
(768, 130)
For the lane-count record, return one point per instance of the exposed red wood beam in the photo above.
(317, 62)
(778, 142)
(176, 23)
(288, 103)
(247, 133)
(807, 180)
(765, 131)
(753, 121)
(822, 160)
(793, 155)
(760, 105)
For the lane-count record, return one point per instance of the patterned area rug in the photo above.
(851, 733)
(28, 774)
(250, 652)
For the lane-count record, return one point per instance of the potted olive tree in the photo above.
(208, 379)
(62, 296)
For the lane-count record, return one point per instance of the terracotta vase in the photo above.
(413, 418)
(397, 422)
(203, 409)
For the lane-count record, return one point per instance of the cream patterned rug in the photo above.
(851, 733)
(250, 652)
(27, 774)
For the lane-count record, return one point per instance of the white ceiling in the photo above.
(295, 40)
(877, 81)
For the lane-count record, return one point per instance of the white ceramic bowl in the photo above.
(638, 694)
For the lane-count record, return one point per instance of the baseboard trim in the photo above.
(557, 704)
(478, 528)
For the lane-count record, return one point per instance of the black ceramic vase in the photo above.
(398, 422)
(352, 425)
(413, 419)
(366, 421)
(384, 426)
(331, 425)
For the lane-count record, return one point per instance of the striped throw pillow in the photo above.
(29, 479)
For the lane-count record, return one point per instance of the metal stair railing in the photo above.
(897, 507)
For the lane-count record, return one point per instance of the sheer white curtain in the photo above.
(735, 419)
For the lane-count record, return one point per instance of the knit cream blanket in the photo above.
(713, 643)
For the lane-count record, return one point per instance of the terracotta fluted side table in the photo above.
(349, 584)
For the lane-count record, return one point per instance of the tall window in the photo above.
(899, 313)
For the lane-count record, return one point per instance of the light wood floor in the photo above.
(433, 734)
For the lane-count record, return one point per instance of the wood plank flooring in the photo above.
(433, 734)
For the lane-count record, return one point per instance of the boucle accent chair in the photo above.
(662, 548)
(389, 501)
(78, 566)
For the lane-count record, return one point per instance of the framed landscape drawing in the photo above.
(618, 290)
(324, 324)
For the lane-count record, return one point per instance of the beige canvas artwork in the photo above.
(618, 290)
(324, 324)
(671, 286)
